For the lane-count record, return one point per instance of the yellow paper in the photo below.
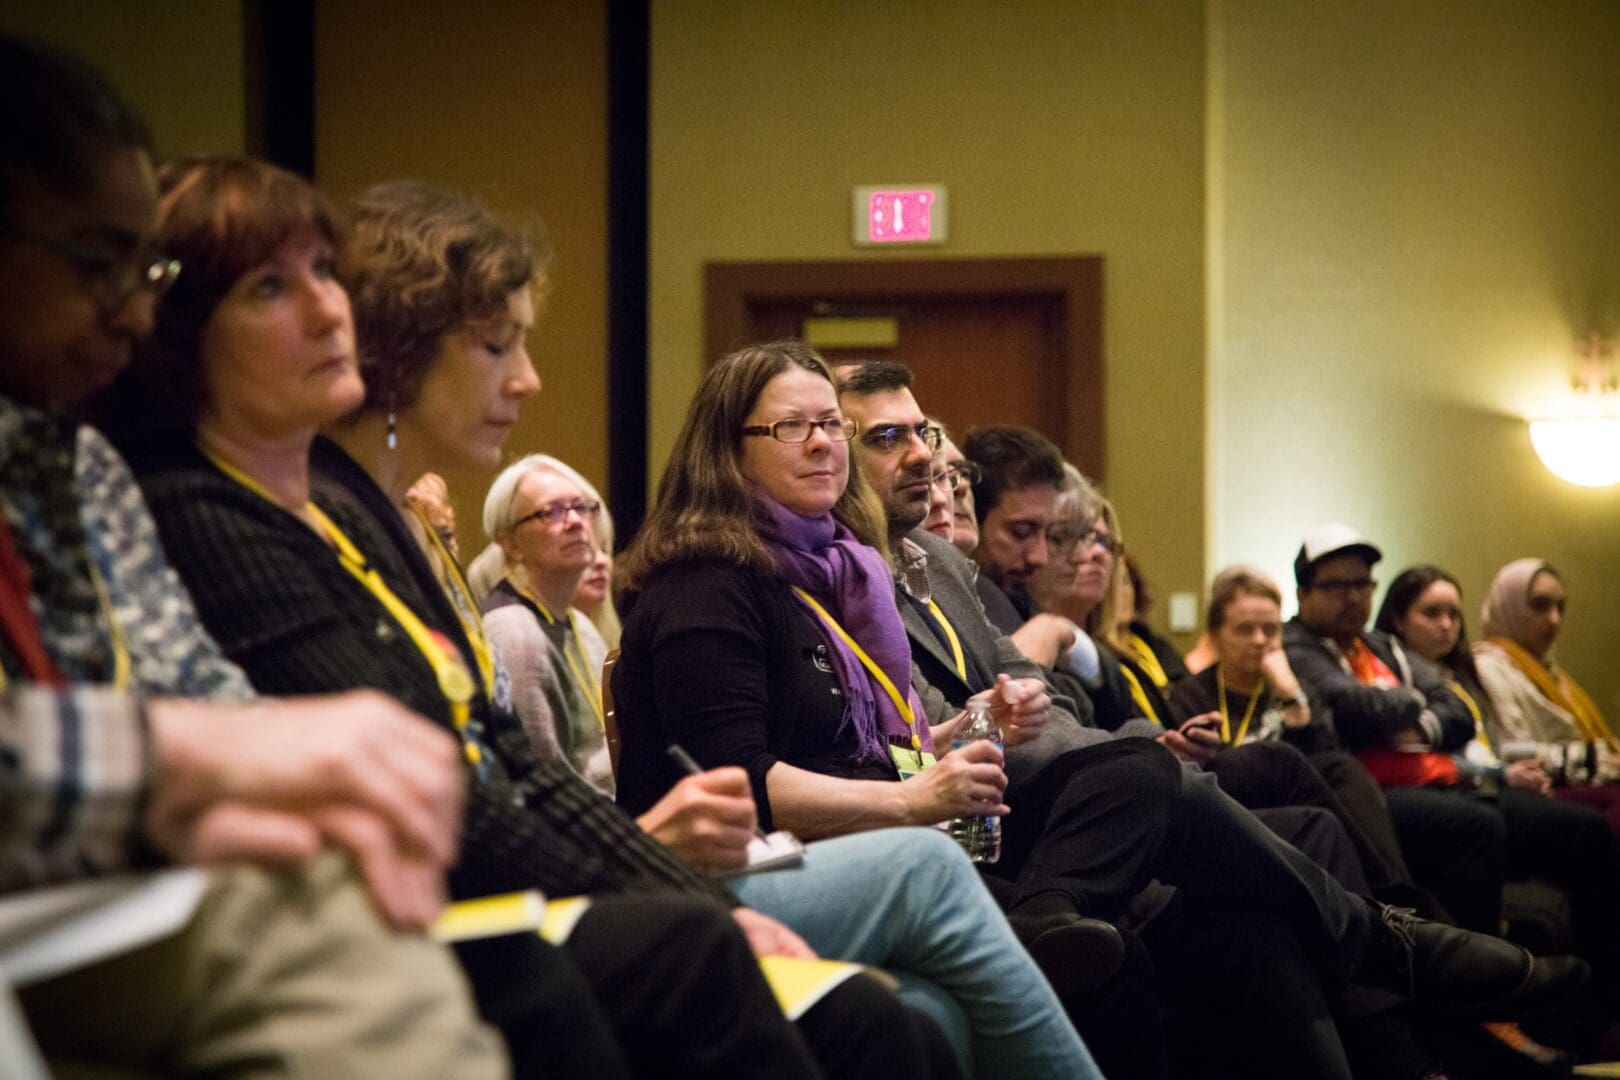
(561, 917)
(799, 984)
(491, 916)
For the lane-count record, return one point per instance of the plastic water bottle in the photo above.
(980, 837)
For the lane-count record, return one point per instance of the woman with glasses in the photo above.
(315, 578)
(1534, 700)
(540, 515)
(963, 474)
(942, 483)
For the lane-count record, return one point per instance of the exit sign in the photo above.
(900, 214)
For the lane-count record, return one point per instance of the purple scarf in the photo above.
(854, 584)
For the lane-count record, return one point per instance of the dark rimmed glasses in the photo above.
(889, 437)
(110, 279)
(1065, 540)
(795, 430)
(556, 513)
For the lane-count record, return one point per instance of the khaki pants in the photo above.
(278, 975)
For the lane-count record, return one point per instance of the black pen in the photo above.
(684, 760)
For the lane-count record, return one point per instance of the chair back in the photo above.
(610, 722)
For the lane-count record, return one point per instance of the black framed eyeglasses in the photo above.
(795, 430)
(1065, 540)
(889, 437)
(1360, 587)
(963, 472)
(110, 279)
(556, 513)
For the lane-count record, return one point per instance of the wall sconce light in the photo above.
(1585, 449)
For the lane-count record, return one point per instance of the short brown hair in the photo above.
(1233, 582)
(220, 217)
(705, 507)
(421, 262)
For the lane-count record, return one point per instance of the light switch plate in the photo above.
(1183, 612)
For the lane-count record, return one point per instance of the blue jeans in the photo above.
(909, 901)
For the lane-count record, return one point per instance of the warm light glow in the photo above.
(1584, 451)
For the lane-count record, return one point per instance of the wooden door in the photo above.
(1009, 341)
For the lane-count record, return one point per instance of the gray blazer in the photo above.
(987, 652)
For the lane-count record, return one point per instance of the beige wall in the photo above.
(1413, 216)
(506, 101)
(179, 62)
(1060, 129)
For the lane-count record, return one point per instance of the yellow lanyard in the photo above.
(454, 682)
(467, 609)
(867, 662)
(1139, 694)
(1149, 660)
(1473, 709)
(1248, 712)
(115, 632)
(950, 635)
(581, 668)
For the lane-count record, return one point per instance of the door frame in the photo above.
(1072, 286)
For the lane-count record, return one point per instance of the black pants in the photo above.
(684, 995)
(1571, 846)
(1271, 774)
(1457, 847)
(1097, 824)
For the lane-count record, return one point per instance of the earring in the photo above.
(393, 430)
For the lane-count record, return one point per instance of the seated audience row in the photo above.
(285, 380)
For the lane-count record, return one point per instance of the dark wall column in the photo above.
(628, 35)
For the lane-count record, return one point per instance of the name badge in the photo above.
(909, 762)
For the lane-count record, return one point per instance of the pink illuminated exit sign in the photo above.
(900, 214)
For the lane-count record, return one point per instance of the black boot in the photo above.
(1459, 972)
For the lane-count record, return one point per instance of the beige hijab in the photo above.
(1506, 610)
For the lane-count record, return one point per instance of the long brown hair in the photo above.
(705, 506)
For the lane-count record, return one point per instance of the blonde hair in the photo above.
(491, 564)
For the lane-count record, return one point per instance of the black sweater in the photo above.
(730, 665)
(282, 606)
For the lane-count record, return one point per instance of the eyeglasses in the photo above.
(1065, 540)
(556, 513)
(1361, 587)
(963, 472)
(891, 436)
(110, 279)
(794, 430)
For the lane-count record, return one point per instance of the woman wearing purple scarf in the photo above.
(777, 645)
(761, 542)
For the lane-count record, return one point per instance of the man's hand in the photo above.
(1020, 708)
(1044, 638)
(767, 937)
(707, 819)
(1529, 775)
(273, 781)
(1196, 740)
